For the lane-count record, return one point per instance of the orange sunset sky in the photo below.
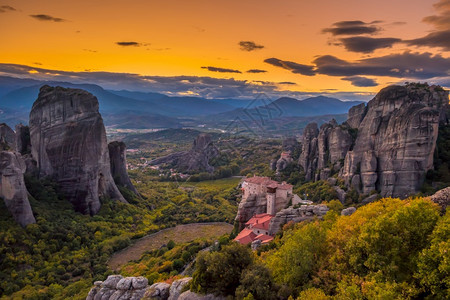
(284, 47)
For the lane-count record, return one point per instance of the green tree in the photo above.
(220, 272)
(257, 281)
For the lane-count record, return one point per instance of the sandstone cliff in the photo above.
(7, 138)
(386, 146)
(195, 160)
(69, 144)
(118, 161)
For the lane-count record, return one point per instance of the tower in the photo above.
(271, 198)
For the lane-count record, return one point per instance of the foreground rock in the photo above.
(69, 145)
(386, 146)
(13, 189)
(442, 198)
(195, 160)
(117, 287)
(118, 161)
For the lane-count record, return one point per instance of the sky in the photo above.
(229, 49)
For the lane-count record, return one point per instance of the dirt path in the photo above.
(179, 234)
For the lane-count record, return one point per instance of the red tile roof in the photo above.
(260, 221)
(264, 238)
(259, 180)
(285, 186)
(245, 236)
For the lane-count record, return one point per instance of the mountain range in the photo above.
(135, 110)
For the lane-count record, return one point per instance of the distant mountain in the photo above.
(114, 102)
(131, 120)
(289, 107)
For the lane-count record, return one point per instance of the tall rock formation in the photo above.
(23, 141)
(195, 160)
(118, 161)
(69, 144)
(386, 146)
(13, 189)
(7, 138)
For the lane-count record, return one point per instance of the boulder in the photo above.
(159, 290)
(369, 199)
(348, 211)
(68, 141)
(139, 282)
(118, 162)
(442, 197)
(340, 193)
(124, 284)
(112, 281)
(177, 286)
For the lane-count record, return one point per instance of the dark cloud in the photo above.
(287, 83)
(47, 18)
(203, 86)
(6, 8)
(291, 66)
(221, 70)
(361, 81)
(353, 28)
(402, 65)
(249, 46)
(442, 4)
(256, 71)
(129, 44)
(434, 39)
(367, 44)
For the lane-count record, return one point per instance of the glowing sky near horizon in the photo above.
(179, 37)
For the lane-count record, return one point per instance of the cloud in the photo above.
(129, 44)
(295, 68)
(203, 86)
(6, 8)
(352, 28)
(367, 44)
(434, 39)
(256, 71)
(47, 18)
(360, 81)
(221, 70)
(401, 65)
(287, 83)
(249, 46)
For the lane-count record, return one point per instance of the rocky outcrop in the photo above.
(324, 148)
(442, 198)
(192, 161)
(23, 141)
(289, 147)
(116, 287)
(292, 214)
(386, 146)
(396, 140)
(252, 205)
(348, 211)
(13, 189)
(118, 161)
(309, 156)
(7, 138)
(69, 145)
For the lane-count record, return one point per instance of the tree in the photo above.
(220, 272)
(257, 281)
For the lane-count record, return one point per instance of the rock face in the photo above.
(290, 145)
(324, 148)
(23, 141)
(7, 138)
(12, 187)
(303, 213)
(118, 161)
(195, 160)
(69, 144)
(386, 146)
